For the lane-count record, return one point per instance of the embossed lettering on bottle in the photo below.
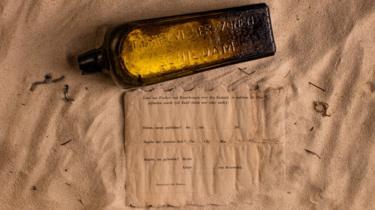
(150, 51)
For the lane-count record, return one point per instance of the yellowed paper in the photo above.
(202, 147)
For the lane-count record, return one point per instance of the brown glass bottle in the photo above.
(149, 51)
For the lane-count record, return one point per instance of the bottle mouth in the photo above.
(91, 61)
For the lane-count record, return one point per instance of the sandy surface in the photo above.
(60, 155)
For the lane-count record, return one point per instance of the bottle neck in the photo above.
(91, 62)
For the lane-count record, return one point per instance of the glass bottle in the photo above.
(145, 52)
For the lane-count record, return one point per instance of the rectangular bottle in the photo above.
(149, 51)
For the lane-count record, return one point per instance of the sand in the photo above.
(56, 154)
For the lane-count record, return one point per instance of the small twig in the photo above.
(312, 153)
(47, 80)
(67, 142)
(322, 89)
(67, 98)
(58, 79)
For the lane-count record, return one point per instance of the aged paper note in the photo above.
(202, 147)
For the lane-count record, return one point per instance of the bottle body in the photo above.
(149, 51)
